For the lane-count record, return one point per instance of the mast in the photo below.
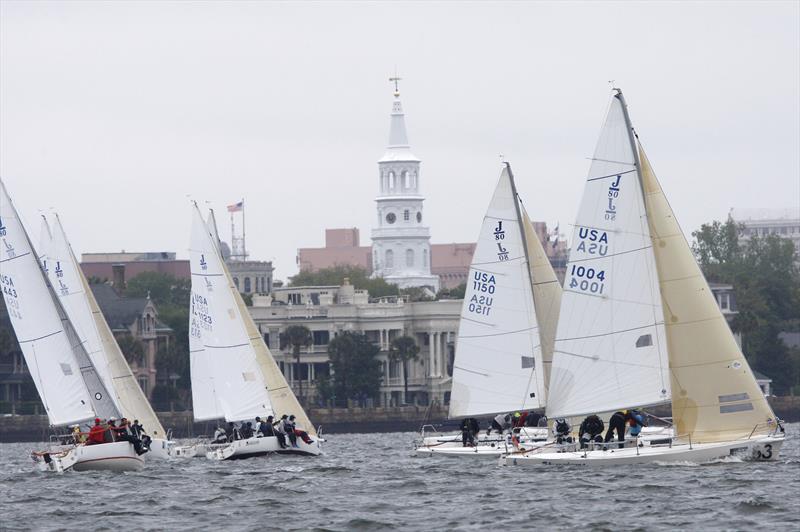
(519, 219)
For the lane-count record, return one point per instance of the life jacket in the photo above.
(562, 427)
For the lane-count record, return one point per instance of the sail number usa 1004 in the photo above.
(587, 279)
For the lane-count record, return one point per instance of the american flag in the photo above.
(236, 207)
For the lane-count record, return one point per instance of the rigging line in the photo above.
(39, 338)
(499, 334)
(611, 255)
(609, 333)
(498, 274)
(503, 219)
(613, 230)
(544, 282)
(208, 274)
(498, 261)
(471, 371)
(16, 257)
(478, 322)
(615, 362)
(613, 162)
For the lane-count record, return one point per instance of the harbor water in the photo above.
(375, 481)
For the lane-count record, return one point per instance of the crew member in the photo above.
(562, 431)
(499, 423)
(288, 429)
(96, 433)
(303, 434)
(617, 423)
(591, 429)
(467, 434)
(636, 422)
(220, 436)
(279, 431)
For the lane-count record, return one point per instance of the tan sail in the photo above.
(131, 399)
(714, 394)
(546, 294)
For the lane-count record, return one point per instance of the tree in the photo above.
(162, 288)
(296, 336)
(452, 293)
(131, 348)
(336, 275)
(416, 293)
(356, 370)
(766, 283)
(404, 349)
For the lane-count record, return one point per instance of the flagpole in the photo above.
(244, 248)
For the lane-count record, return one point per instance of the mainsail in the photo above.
(498, 363)
(227, 359)
(84, 313)
(280, 393)
(64, 376)
(610, 349)
(715, 396)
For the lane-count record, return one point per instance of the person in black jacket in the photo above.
(617, 423)
(590, 430)
(469, 428)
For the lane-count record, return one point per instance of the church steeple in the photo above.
(400, 242)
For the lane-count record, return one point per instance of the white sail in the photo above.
(67, 384)
(715, 395)
(498, 362)
(281, 396)
(228, 359)
(610, 347)
(91, 327)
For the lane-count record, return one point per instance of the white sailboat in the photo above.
(233, 374)
(507, 328)
(68, 383)
(79, 303)
(639, 324)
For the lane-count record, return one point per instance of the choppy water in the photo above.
(374, 481)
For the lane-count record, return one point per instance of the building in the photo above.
(249, 276)
(401, 250)
(330, 310)
(784, 223)
(342, 248)
(135, 325)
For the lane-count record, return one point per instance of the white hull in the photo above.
(757, 448)
(253, 447)
(160, 449)
(487, 445)
(118, 456)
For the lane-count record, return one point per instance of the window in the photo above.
(424, 258)
(246, 285)
(394, 370)
(294, 299)
(236, 282)
(300, 371)
(144, 385)
(391, 180)
(390, 218)
(321, 369)
(266, 339)
(389, 259)
(409, 257)
(406, 179)
(724, 301)
(321, 337)
(419, 217)
(406, 215)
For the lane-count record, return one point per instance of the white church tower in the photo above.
(401, 249)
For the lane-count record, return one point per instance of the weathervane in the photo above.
(395, 80)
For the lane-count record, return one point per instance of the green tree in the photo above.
(452, 293)
(766, 283)
(296, 336)
(131, 348)
(416, 293)
(404, 349)
(335, 276)
(356, 370)
(162, 288)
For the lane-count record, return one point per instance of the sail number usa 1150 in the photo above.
(483, 288)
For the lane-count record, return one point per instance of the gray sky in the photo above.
(112, 113)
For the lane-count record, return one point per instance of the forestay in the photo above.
(45, 337)
(79, 303)
(610, 347)
(228, 360)
(498, 361)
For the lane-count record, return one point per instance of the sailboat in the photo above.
(507, 328)
(68, 383)
(233, 373)
(639, 324)
(77, 299)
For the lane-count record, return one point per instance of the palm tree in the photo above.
(403, 349)
(297, 336)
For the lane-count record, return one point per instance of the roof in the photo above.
(120, 311)
(761, 376)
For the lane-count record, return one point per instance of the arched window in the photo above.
(391, 180)
(424, 258)
(406, 179)
(389, 259)
(409, 258)
(246, 285)
(236, 282)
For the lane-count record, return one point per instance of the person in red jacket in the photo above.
(96, 434)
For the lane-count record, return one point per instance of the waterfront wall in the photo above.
(332, 420)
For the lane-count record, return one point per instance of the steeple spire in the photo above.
(398, 148)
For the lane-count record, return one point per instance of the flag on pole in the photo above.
(555, 232)
(236, 207)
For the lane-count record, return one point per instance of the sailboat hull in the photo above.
(118, 456)
(765, 448)
(161, 449)
(491, 445)
(253, 447)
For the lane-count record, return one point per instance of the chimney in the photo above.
(118, 276)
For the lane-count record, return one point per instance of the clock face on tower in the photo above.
(390, 218)
(419, 217)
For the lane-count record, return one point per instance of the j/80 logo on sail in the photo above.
(592, 241)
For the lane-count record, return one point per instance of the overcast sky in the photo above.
(113, 113)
